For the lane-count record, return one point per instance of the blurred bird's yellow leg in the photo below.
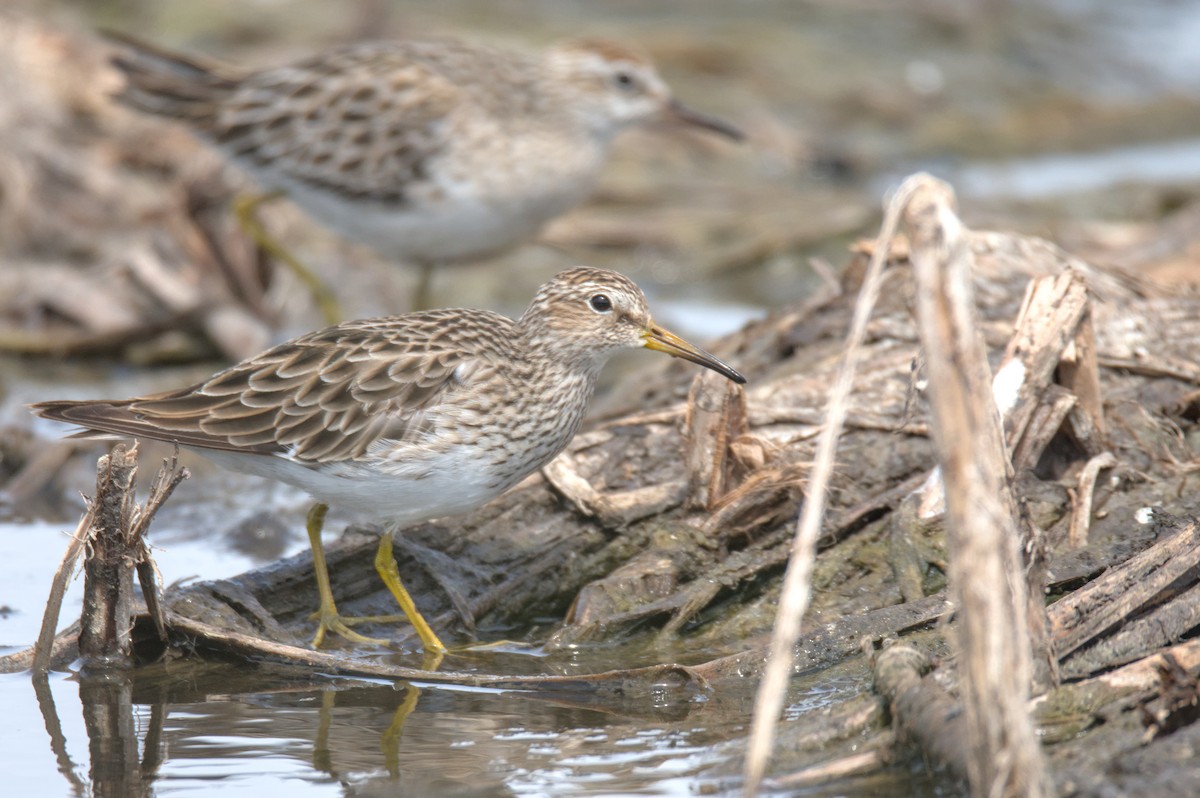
(422, 296)
(328, 619)
(385, 563)
(245, 209)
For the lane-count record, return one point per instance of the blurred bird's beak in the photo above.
(681, 113)
(660, 340)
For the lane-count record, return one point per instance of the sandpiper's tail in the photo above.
(181, 417)
(169, 84)
(98, 419)
(114, 420)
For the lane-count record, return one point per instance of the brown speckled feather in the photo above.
(362, 121)
(325, 397)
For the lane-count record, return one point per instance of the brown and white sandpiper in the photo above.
(410, 417)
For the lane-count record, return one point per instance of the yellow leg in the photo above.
(329, 620)
(245, 208)
(385, 563)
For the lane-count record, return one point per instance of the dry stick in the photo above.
(166, 479)
(1047, 330)
(1005, 757)
(1051, 329)
(1081, 519)
(793, 601)
(1079, 371)
(1046, 422)
(43, 650)
(1053, 336)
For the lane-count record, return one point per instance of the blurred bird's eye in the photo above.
(625, 81)
(600, 303)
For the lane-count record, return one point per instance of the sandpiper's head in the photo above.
(612, 85)
(585, 315)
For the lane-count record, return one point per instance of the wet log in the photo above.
(923, 711)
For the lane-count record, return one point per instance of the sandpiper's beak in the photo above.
(660, 340)
(681, 113)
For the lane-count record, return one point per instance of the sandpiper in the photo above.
(409, 417)
(431, 152)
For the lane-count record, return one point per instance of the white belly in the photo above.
(452, 230)
(455, 484)
(463, 212)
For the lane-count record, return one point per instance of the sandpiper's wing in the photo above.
(361, 121)
(324, 397)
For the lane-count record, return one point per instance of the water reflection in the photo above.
(58, 740)
(117, 769)
(181, 728)
(186, 727)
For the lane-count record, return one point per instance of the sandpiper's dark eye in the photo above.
(600, 303)
(624, 80)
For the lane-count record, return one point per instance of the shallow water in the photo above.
(352, 738)
(1040, 177)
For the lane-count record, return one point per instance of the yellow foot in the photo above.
(340, 625)
(332, 622)
(328, 618)
(495, 645)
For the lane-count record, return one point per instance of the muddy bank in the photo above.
(644, 564)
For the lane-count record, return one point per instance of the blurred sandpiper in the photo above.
(431, 152)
